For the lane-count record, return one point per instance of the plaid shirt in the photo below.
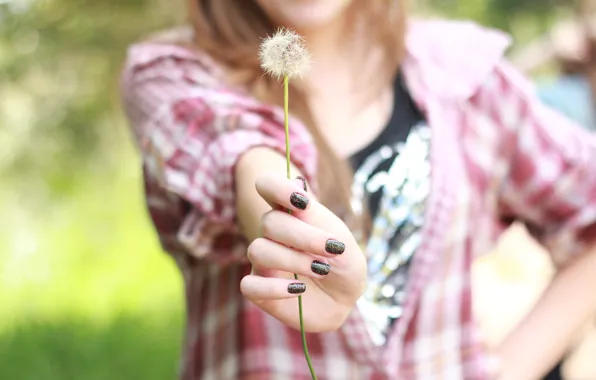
(497, 154)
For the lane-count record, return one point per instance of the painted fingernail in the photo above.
(299, 201)
(297, 288)
(335, 247)
(303, 182)
(320, 268)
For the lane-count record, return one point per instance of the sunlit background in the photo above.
(85, 291)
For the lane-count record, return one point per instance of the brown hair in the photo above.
(230, 31)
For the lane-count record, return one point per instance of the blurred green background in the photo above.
(85, 291)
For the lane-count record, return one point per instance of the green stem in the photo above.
(287, 122)
(288, 164)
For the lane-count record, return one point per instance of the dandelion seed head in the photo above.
(283, 54)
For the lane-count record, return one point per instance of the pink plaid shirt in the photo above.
(496, 154)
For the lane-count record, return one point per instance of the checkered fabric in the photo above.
(496, 153)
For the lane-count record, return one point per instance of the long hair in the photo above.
(230, 31)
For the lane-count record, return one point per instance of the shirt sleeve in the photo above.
(191, 130)
(547, 165)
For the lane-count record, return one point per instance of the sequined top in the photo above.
(392, 182)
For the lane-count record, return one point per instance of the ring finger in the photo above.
(265, 253)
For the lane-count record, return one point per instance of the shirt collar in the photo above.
(450, 59)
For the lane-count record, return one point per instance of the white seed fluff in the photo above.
(283, 54)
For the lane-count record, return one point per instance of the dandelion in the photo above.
(284, 55)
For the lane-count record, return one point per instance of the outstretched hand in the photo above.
(311, 242)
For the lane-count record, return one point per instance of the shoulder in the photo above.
(169, 55)
(451, 59)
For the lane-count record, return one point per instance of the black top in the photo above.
(404, 116)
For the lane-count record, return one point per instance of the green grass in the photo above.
(85, 290)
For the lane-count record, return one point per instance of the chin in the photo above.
(304, 15)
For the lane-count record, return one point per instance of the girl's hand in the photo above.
(311, 242)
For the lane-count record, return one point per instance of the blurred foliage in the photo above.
(498, 13)
(59, 59)
(85, 291)
(129, 347)
(524, 19)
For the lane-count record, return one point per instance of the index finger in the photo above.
(280, 192)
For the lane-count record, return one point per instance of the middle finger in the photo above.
(293, 232)
(264, 253)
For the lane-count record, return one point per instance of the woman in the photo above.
(382, 244)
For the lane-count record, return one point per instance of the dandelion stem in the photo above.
(287, 122)
(288, 164)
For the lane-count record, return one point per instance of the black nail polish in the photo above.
(303, 182)
(297, 288)
(299, 201)
(321, 268)
(335, 247)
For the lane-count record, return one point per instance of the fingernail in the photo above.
(297, 288)
(299, 201)
(335, 247)
(301, 178)
(321, 268)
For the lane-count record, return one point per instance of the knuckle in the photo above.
(313, 245)
(244, 284)
(262, 180)
(268, 222)
(246, 288)
(254, 249)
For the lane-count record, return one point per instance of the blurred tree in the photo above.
(59, 64)
(525, 19)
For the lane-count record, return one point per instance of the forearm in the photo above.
(544, 336)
